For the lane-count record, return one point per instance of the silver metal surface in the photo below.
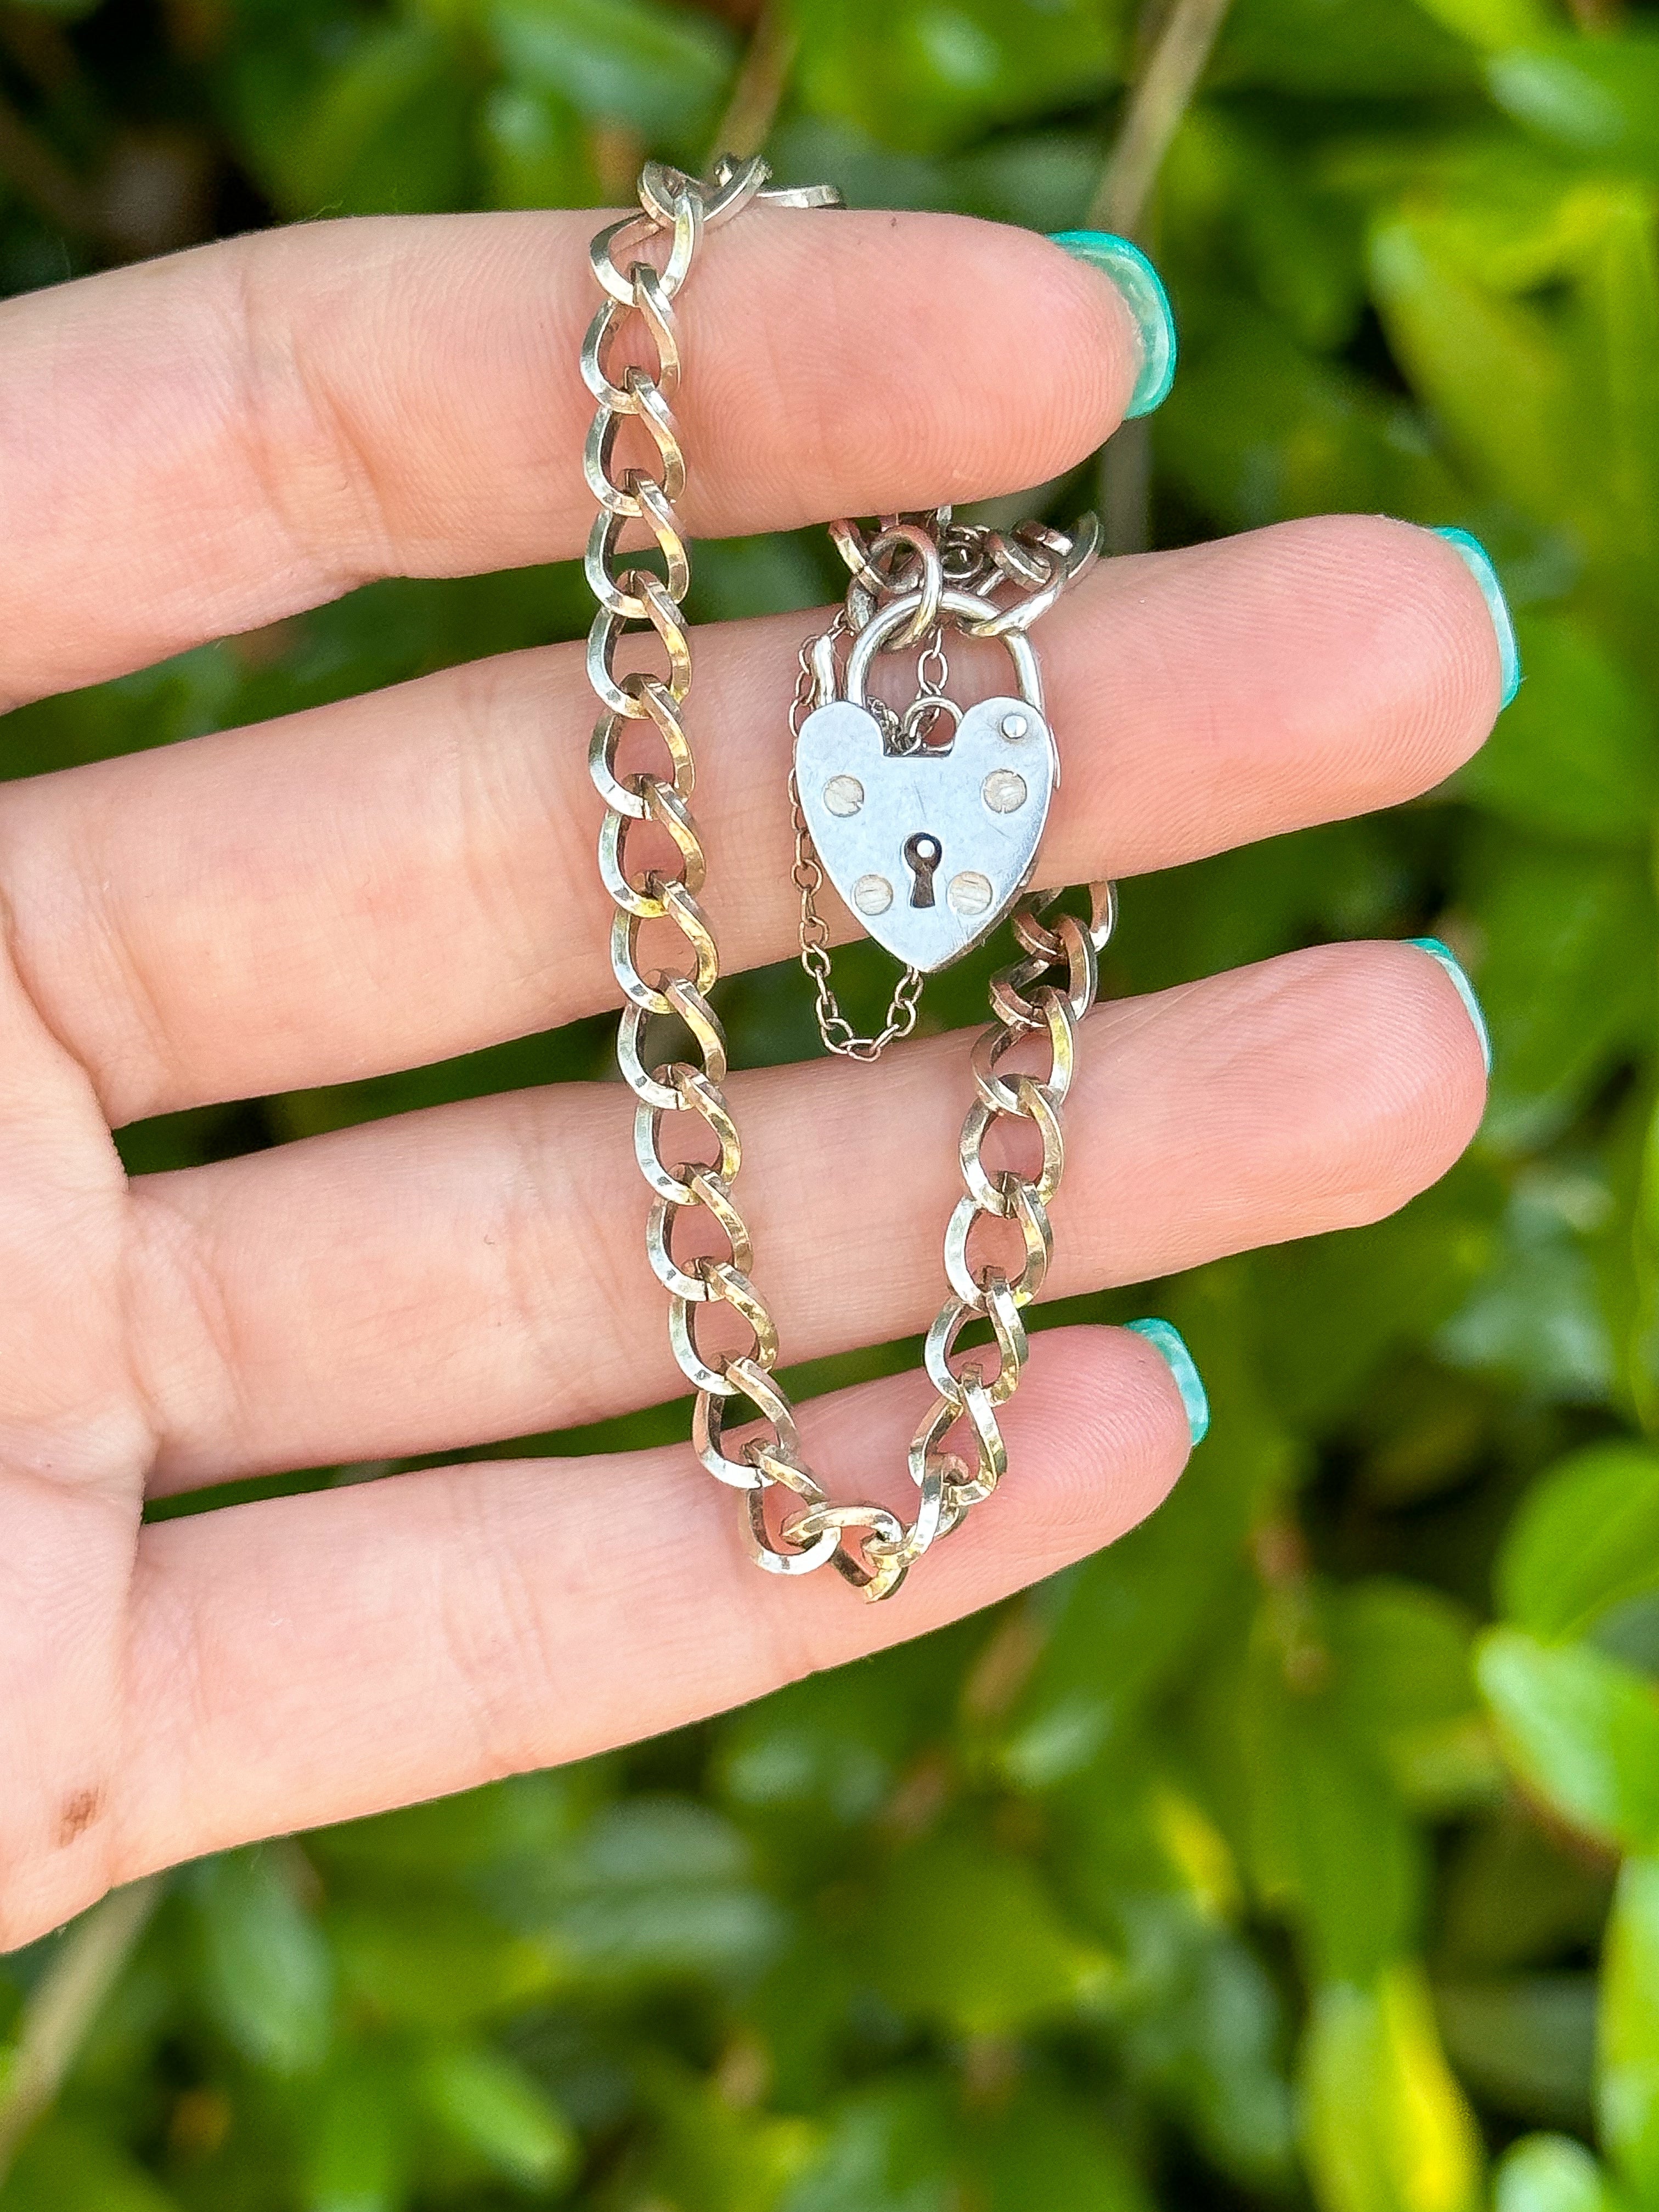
(904, 581)
(954, 796)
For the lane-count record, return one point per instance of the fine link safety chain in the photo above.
(1043, 995)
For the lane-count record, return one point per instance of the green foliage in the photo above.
(1303, 1848)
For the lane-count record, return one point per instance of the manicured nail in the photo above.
(1454, 967)
(1476, 559)
(1170, 1346)
(1142, 288)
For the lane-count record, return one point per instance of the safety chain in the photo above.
(1045, 994)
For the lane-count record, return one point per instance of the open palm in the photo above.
(199, 446)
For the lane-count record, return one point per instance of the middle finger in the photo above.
(403, 877)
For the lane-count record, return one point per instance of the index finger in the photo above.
(197, 446)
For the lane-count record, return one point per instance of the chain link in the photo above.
(787, 1522)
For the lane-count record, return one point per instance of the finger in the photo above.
(309, 1659)
(301, 409)
(478, 1270)
(401, 878)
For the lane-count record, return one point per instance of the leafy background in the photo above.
(1304, 1848)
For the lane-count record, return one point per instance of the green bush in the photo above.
(1305, 1846)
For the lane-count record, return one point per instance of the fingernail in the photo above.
(1142, 288)
(1476, 559)
(1454, 967)
(1170, 1346)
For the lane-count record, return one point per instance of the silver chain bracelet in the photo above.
(926, 821)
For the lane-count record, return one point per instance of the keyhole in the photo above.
(921, 856)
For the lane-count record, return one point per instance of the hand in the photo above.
(201, 445)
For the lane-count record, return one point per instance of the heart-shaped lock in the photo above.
(929, 847)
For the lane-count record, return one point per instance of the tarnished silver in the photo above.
(916, 574)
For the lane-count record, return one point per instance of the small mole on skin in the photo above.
(79, 1813)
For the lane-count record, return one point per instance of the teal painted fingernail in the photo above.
(1170, 1346)
(1454, 967)
(1142, 288)
(1476, 559)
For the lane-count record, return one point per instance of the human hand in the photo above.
(199, 446)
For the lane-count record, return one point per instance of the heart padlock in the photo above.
(929, 848)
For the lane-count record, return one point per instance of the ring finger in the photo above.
(408, 876)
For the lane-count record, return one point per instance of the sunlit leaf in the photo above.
(1580, 1730)
(1387, 2129)
(1586, 1538)
(1628, 2087)
(494, 2108)
(1550, 2173)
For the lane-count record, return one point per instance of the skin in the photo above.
(204, 445)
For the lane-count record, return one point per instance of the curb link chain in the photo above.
(788, 1523)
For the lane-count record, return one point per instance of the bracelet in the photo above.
(926, 821)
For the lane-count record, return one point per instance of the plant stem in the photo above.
(1162, 94)
(65, 2002)
(758, 93)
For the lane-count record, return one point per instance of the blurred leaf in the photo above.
(1575, 753)
(63, 2167)
(1535, 1316)
(1257, 430)
(267, 1977)
(536, 150)
(1405, 1678)
(1550, 2173)
(1524, 2043)
(663, 69)
(1387, 2127)
(1596, 95)
(1044, 2152)
(825, 1748)
(1373, 48)
(1334, 1851)
(356, 2154)
(658, 1887)
(713, 2154)
(505, 1821)
(1023, 1963)
(1585, 1538)
(1518, 1894)
(386, 127)
(1495, 372)
(1113, 1631)
(494, 2108)
(1565, 976)
(1199, 2020)
(1492, 23)
(888, 2150)
(1628, 2084)
(925, 73)
(1230, 193)
(426, 1963)
(1580, 1730)
(1333, 1306)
